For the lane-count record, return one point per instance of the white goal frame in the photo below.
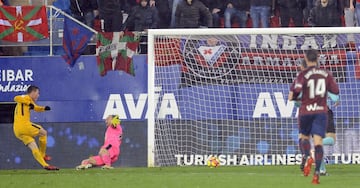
(152, 33)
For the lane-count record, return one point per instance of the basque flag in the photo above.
(75, 39)
(23, 23)
(115, 51)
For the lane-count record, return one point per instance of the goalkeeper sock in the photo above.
(328, 141)
(322, 166)
(106, 159)
(319, 153)
(42, 145)
(305, 144)
(37, 155)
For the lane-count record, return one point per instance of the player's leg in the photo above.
(27, 136)
(308, 160)
(303, 159)
(31, 144)
(42, 141)
(305, 124)
(319, 154)
(39, 158)
(318, 131)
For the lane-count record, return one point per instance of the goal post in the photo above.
(224, 92)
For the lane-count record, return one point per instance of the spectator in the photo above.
(111, 15)
(217, 10)
(291, 9)
(143, 17)
(164, 10)
(348, 8)
(4, 2)
(357, 11)
(175, 4)
(189, 12)
(239, 9)
(260, 12)
(129, 4)
(83, 10)
(63, 5)
(324, 14)
(309, 5)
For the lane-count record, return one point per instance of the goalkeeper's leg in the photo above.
(329, 140)
(106, 158)
(90, 162)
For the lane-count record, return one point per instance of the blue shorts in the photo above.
(313, 124)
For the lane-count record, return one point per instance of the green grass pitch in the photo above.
(340, 176)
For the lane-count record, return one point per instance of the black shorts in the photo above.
(331, 124)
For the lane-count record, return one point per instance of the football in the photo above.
(213, 162)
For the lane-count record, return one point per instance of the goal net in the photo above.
(223, 92)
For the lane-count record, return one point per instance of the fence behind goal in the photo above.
(224, 92)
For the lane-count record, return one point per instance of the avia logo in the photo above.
(127, 108)
(314, 107)
(274, 105)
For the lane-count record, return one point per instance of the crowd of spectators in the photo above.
(149, 14)
(141, 15)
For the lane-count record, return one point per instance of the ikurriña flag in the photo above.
(75, 39)
(115, 51)
(23, 23)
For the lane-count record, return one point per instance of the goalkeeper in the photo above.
(110, 151)
(330, 136)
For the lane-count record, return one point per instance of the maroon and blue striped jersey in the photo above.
(314, 83)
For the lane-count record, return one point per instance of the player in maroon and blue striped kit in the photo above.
(313, 84)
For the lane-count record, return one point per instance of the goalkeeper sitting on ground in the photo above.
(110, 151)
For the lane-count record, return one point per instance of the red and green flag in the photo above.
(115, 51)
(23, 23)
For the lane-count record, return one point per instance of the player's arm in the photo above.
(332, 86)
(297, 88)
(291, 93)
(38, 108)
(334, 98)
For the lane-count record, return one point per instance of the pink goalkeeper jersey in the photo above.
(113, 138)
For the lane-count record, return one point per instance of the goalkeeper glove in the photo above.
(47, 108)
(115, 121)
(31, 105)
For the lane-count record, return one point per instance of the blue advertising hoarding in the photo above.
(80, 97)
(76, 94)
(80, 94)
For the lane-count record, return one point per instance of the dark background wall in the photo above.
(69, 143)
